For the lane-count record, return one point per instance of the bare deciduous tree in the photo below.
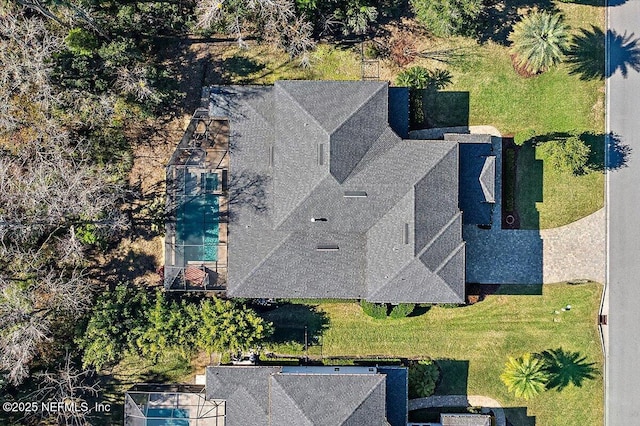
(275, 20)
(71, 386)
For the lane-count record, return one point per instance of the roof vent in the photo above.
(405, 234)
(271, 156)
(320, 154)
(327, 247)
(355, 194)
(318, 219)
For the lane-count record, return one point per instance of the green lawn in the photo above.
(476, 340)
(551, 102)
(547, 197)
(261, 64)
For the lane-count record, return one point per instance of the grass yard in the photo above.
(547, 197)
(260, 64)
(475, 341)
(552, 102)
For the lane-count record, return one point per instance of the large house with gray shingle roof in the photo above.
(276, 396)
(328, 199)
(328, 396)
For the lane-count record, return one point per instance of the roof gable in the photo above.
(331, 103)
(329, 399)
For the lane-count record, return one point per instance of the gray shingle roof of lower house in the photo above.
(329, 399)
(283, 178)
(465, 420)
(244, 390)
(276, 396)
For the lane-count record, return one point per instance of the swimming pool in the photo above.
(197, 227)
(167, 417)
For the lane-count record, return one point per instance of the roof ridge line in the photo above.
(275, 85)
(264, 259)
(284, 219)
(448, 258)
(288, 397)
(360, 166)
(382, 378)
(440, 232)
(484, 188)
(359, 107)
(406, 265)
(290, 212)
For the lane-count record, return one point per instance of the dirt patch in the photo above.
(521, 69)
(478, 292)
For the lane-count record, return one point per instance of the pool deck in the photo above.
(203, 150)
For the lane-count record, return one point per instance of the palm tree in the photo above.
(539, 41)
(525, 376)
(414, 77)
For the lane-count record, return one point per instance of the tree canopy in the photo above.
(539, 41)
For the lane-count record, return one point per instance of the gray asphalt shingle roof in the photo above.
(271, 396)
(465, 420)
(307, 143)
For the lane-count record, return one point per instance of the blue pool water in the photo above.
(167, 417)
(197, 227)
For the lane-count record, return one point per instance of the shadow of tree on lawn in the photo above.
(586, 56)
(289, 322)
(566, 368)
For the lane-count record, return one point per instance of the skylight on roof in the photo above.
(320, 154)
(327, 247)
(355, 194)
(405, 234)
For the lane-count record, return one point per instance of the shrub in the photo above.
(372, 51)
(374, 310)
(569, 155)
(422, 78)
(423, 377)
(449, 305)
(402, 310)
(444, 18)
(81, 42)
(524, 136)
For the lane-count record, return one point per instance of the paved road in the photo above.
(623, 189)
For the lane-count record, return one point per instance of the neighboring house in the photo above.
(325, 199)
(458, 420)
(279, 396)
(465, 420)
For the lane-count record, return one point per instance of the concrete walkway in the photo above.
(487, 404)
